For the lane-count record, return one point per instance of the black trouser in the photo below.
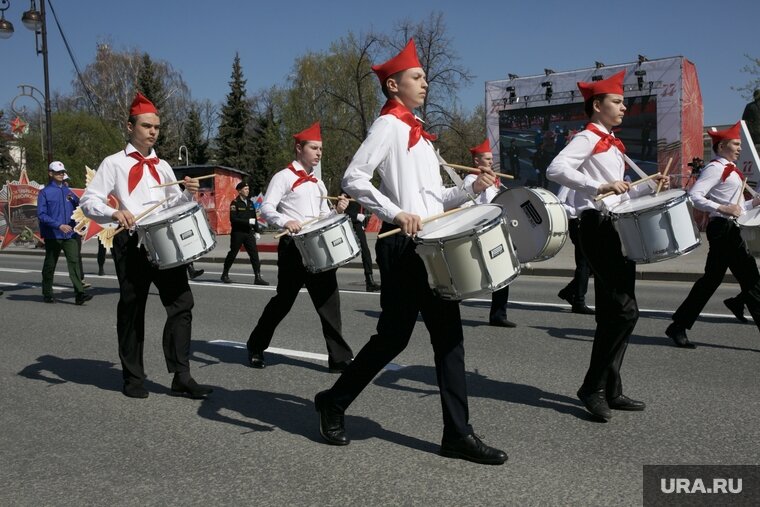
(404, 295)
(727, 251)
(101, 255)
(366, 255)
(499, 301)
(135, 274)
(78, 239)
(578, 286)
(323, 290)
(616, 307)
(238, 239)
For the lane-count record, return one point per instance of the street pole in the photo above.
(48, 112)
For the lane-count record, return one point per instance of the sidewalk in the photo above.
(686, 268)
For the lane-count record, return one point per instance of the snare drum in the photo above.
(749, 226)
(468, 253)
(655, 228)
(538, 222)
(327, 243)
(176, 236)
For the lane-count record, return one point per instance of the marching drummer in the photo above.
(719, 190)
(131, 175)
(592, 164)
(411, 189)
(295, 196)
(483, 157)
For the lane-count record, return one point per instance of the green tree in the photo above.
(464, 131)
(192, 138)
(79, 138)
(271, 152)
(753, 69)
(7, 165)
(234, 143)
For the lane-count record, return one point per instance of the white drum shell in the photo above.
(537, 222)
(327, 243)
(659, 232)
(471, 262)
(749, 227)
(176, 236)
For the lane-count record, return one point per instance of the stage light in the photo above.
(512, 95)
(548, 93)
(640, 78)
(597, 77)
(642, 59)
(512, 76)
(598, 65)
(548, 71)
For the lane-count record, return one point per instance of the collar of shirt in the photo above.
(283, 203)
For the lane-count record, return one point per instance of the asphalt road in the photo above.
(70, 438)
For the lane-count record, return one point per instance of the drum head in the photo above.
(321, 223)
(459, 223)
(167, 213)
(646, 202)
(530, 223)
(750, 218)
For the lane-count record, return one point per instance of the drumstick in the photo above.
(642, 180)
(106, 235)
(741, 193)
(665, 173)
(424, 221)
(283, 233)
(182, 181)
(334, 198)
(475, 170)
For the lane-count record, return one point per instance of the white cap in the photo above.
(56, 166)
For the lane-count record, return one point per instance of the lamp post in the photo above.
(34, 20)
(187, 156)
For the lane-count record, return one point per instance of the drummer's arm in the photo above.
(564, 169)
(708, 178)
(275, 192)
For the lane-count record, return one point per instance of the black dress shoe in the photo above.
(332, 424)
(225, 278)
(193, 273)
(256, 360)
(472, 448)
(501, 323)
(47, 299)
(134, 390)
(678, 335)
(596, 404)
(259, 281)
(566, 295)
(82, 298)
(101, 272)
(582, 309)
(188, 386)
(338, 367)
(736, 307)
(623, 402)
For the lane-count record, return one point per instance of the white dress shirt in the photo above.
(410, 177)
(576, 168)
(486, 196)
(567, 197)
(709, 193)
(282, 203)
(113, 178)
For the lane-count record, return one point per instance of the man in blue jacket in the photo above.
(55, 204)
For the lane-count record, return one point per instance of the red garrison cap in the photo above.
(729, 133)
(141, 105)
(613, 84)
(484, 147)
(312, 133)
(406, 59)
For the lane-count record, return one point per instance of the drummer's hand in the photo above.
(756, 200)
(410, 224)
(293, 226)
(191, 184)
(665, 181)
(125, 218)
(619, 187)
(485, 179)
(342, 204)
(730, 209)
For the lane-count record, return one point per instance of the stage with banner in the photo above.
(530, 119)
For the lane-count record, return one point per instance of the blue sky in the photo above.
(492, 38)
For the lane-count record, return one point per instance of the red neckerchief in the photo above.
(397, 109)
(302, 177)
(606, 142)
(728, 169)
(136, 172)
